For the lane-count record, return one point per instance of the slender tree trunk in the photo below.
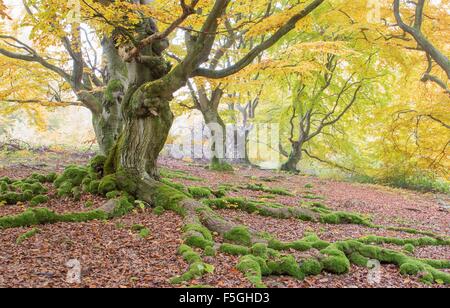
(107, 128)
(212, 117)
(294, 158)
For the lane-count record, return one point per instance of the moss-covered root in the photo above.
(272, 259)
(29, 234)
(274, 191)
(263, 208)
(197, 268)
(250, 266)
(42, 216)
(427, 270)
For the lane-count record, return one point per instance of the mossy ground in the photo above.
(257, 259)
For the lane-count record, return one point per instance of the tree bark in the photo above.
(294, 158)
(212, 117)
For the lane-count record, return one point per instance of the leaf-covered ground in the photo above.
(113, 255)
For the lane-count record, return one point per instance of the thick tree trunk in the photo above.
(294, 158)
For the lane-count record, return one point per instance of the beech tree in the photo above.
(318, 106)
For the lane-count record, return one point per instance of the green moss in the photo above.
(177, 186)
(275, 191)
(439, 264)
(312, 197)
(6, 179)
(123, 207)
(335, 261)
(311, 267)
(72, 174)
(344, 218)
(309, 186)
(220, 166)
(169, 199)
(124, 181)
(286, 265)
(93, 187)
(177, 174)
(409, 248)
(97, 164)
(51, 177)
(39, 199)
(239, 235)
(39, 177)
(4, 187)
(11, 198)
(76, 193)
(200, 229)
(198, 241)
(159, 210)
(416, 242)
(113, 194)
(40, 216)
(219, 193)
(27, 235)
(27, 195)
(137, 227)
(196, 270)
(200, 192)
(113, 86)
(235, 250)
(259, 250)
(144, 233)
(251, 268)
(358, 259)
(210, 251)
(107, 184)
(197, 267)
(409, 268)
(65, 189)
(299, 245)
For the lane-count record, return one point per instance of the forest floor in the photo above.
(112, 255)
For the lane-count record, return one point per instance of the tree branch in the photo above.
(416, 33)
(248, 59)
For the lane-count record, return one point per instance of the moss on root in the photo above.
(236, 250)
(274, 191)
(41, 216)
(169, 199)
(107, 184)
(311, 267)
(197, 268)
(239, 235)
(29, 234)
(200, 192)
(196, 235)
(250, 266)
(220, 166)
(177, 174)
(39, 199)
(415, 242)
